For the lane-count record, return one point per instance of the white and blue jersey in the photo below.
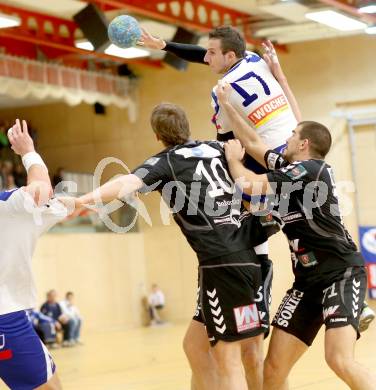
(261, 102)
(259, 99)
(24, 361)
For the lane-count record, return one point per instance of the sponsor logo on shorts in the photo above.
(268, 110)
(329, 311)
(246, 317)
(333, 320)
(262, 315)
(288, 307)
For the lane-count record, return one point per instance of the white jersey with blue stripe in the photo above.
(22, 222)
(260, 100)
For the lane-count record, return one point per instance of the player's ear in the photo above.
(231, 55)
(305, 143)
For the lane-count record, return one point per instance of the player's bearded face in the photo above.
(217, 61)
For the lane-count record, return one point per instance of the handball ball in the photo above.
(124, 31)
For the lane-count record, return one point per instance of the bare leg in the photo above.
(339, 354)
(284, 351)
(52, 384)
(253, 361)
(198, 351)
(229, 366)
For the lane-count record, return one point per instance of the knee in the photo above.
(192, 348)
(252, 358)
(187, 346)
(227, 365)
(272, 369)
(337, 362)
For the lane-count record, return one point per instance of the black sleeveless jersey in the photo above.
(306, 204)
(195, 183)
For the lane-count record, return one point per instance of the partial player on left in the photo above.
(25, 214)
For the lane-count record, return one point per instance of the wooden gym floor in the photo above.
(152, 359)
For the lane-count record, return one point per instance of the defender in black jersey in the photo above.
(330, 277)
(193, 179)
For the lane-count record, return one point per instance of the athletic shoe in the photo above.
(366, 317)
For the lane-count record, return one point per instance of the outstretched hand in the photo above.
(73, 205)
(271, 58)
(20, 139)
(147, 40)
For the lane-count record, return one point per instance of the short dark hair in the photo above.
(69, 293)
(170, 123)
(318, 136)
(231, 40)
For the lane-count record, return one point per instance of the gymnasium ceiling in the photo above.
(284, 22)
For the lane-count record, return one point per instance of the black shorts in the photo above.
(263, 297)
(337, 303)
(227, 297)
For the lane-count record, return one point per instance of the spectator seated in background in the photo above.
(11, 176)
(71, 311)
(10, 183)
(52, 309)
(45, 327)
(6, 168)
(156, 302)
(19, 174)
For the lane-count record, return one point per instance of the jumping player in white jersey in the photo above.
(25, 214)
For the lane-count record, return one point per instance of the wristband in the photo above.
(32, 158)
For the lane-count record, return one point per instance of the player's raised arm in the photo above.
(187, 52)
(252, 142)
(38, 180)
(250, 182)
(271, 58)
(118, 188)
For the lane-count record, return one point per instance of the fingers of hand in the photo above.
(226, 86)
(16, 130)
(24, 127)
(10, 133)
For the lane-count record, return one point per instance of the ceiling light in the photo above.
(132, 52)
(85, 45)
(9, 21)
(371, 29)
(112, 50)
(367, 7)
(336, 20)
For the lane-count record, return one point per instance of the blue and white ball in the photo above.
(124, 31)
